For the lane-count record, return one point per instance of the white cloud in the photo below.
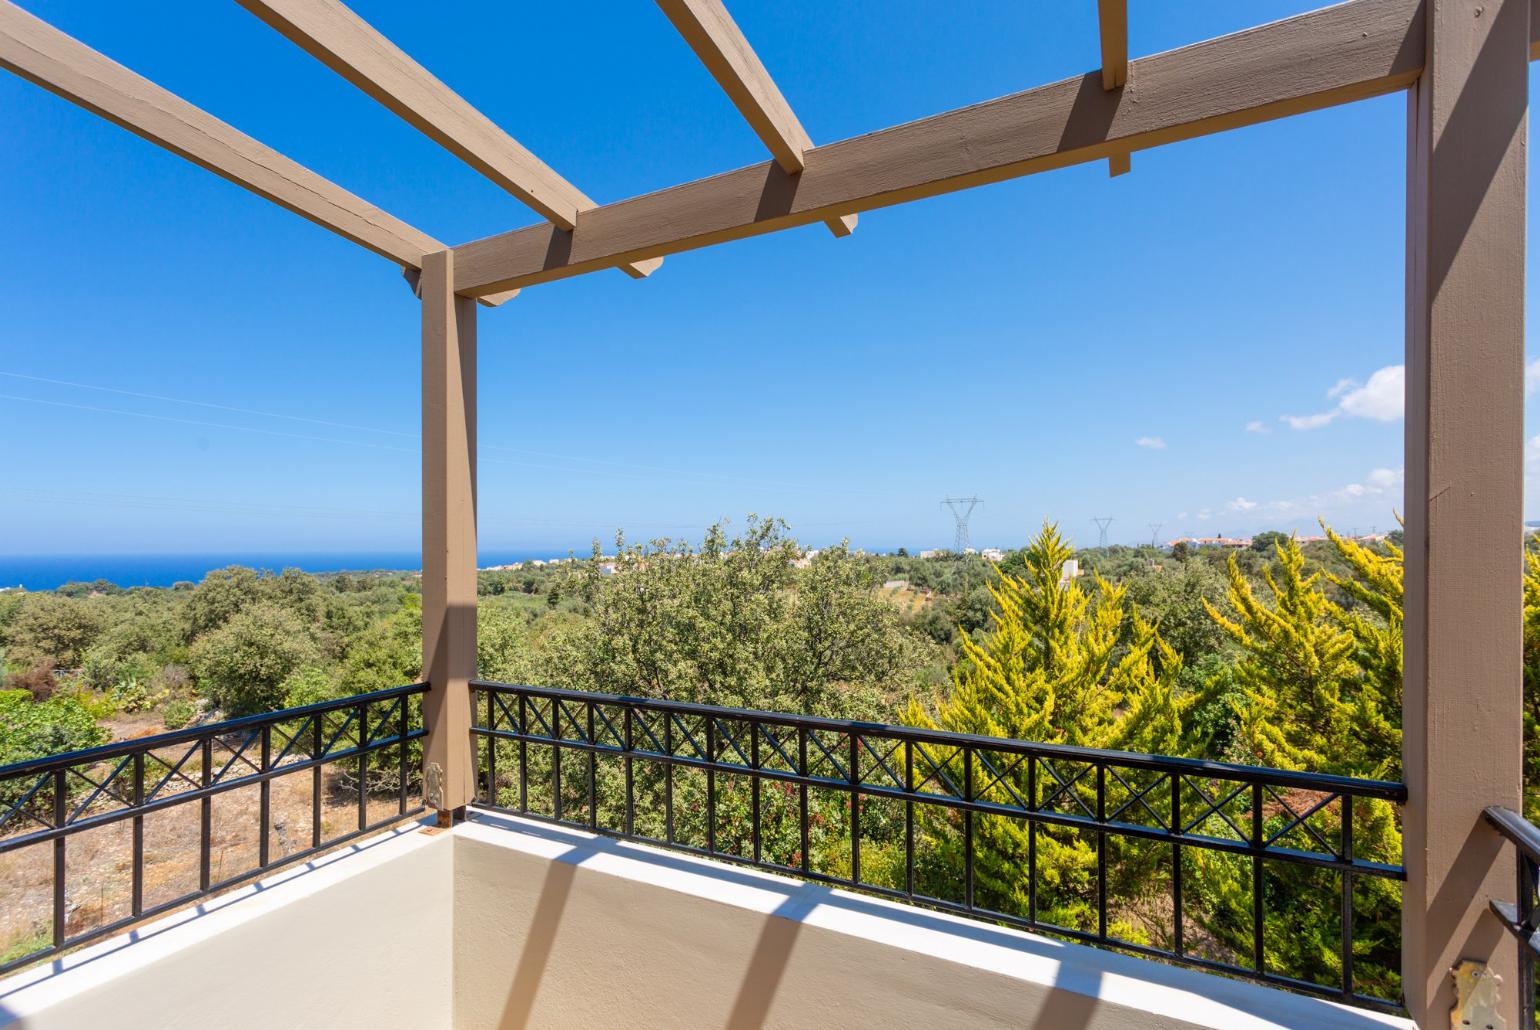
(1381, 399)
(1532, 377)
(1310, 421)
(1379, 487)
(1154, 443)
(1384, 479)
(1256, 426)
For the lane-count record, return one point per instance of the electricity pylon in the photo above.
(1102, 524)
(962, 508)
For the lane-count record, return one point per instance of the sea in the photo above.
(51, 571)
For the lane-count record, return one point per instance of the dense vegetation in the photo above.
(1284, 654)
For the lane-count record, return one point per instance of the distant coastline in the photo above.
(51, 571)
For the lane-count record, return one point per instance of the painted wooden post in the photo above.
(448, 533)
(1464, 477)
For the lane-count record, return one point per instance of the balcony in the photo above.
(646, 862)
(294, 888)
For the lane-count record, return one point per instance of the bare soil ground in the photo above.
(99, 862)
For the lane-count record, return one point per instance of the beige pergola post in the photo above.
(1464, 477)
(448, 534)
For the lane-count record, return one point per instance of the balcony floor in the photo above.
(504, 922)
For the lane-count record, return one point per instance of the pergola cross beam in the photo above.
(40, 53)
(337, 37)
(1332, 56)
(1112, 20)
(721, 46)
(62, 65)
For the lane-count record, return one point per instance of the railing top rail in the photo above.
(1523, 833)
(48, 763)
(1324, 782)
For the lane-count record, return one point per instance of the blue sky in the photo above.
(1066, 345)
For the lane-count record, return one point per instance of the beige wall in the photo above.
(557, 929)
(503, 923)
(361, 942)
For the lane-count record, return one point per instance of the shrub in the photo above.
(37, 681)
(32, 729)
(242, 665)
(178, 713)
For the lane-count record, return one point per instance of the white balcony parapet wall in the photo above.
(358, 939)
(555, 927)
(505, 923)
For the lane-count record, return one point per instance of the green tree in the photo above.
(1532, 684)
(219, 597)
(1314, 696)
(34, 729)
(736, 623)
(389, 653)
(242, 665)
(1063, 663)
(52, 629)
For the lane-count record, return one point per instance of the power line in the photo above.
(1101, 525)
(1155, 533)
(962, 510)
(622, 469)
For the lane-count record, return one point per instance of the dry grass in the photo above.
(98, 862)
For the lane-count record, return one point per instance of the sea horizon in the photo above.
(51, 571)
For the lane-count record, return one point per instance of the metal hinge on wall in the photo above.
(1476, 998)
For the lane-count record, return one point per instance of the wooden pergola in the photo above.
(1464, 67)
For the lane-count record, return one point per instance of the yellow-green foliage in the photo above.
(1322, 693)
(1532, 685)
(1063, 663)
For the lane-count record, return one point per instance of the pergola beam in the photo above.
(42, 54)
(332, 34)
(1112, 18)
(721, 46)
(1333, 56)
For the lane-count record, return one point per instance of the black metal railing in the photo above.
(85, 797)
(1520, 917)
(930, 817)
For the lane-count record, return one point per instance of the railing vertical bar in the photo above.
(1101, 851)
(265, 799)
(711, 785)
(855, 806)
(1525, 906)
(1176, 864)
(1347, 896)
(909, 818)
(754, 787)
(967, 828)
(1258, 956)
(206, 814)
(523, 757)
(593, 761)
(491, 750)
(60, 816)
(363, 766)
(316, 745)
(668, 778)
(802, 793)
(630, 781)
(403, 727)
(556, 756)
(137, 901)
(1031, 839)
